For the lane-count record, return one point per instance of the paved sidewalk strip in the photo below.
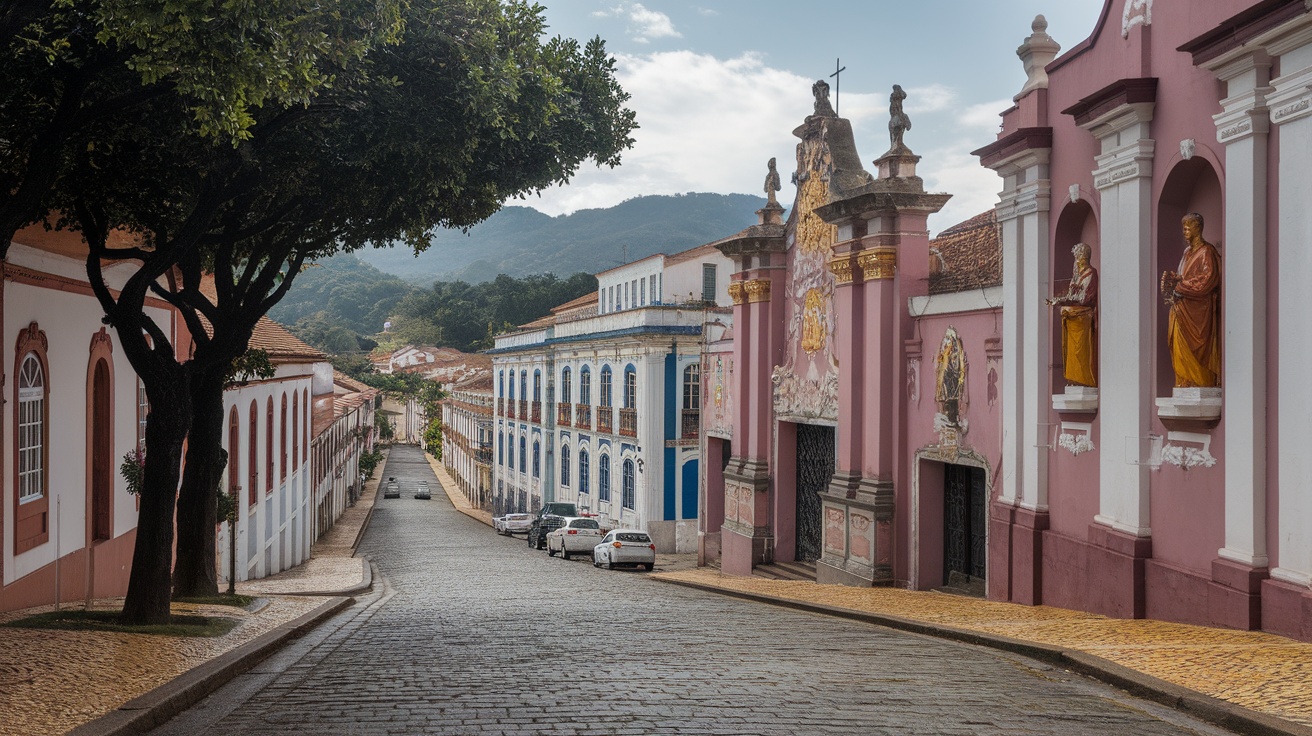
(1263, 672)
(453, 492)
(54, 681)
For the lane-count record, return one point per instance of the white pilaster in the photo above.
(1023, 215)
(1127, 284)
(1243, 129)
(1291, 109)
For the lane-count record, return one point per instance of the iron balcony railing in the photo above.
(583, 416)
(629, 422)
(564, 414)
(605, 419)
(537, 412)
(692, 423)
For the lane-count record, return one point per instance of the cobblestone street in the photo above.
(469, 632)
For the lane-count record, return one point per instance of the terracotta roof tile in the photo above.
(592, 297)
(969, 256)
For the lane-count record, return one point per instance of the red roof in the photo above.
(967, 256)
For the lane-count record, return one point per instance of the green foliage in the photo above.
(339, 291)
(252, 364)
(133, 470)
(230, 58)
(227, 507)
(369, 462)
(466, 316)
(433, 437)
(384, 427)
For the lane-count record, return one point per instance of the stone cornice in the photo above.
(1241, 28)
(1117, 94)
(1024, 139)
(755, 240)
(866, 202)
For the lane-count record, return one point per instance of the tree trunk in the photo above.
(196, 570)
(148, 587)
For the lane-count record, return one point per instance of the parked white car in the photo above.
(512, 524)
(577, 535)
(625, 547)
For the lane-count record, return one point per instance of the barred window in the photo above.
(630, 490)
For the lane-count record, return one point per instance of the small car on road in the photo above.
(392, 489)
(577, 535)
(422, 493)
(625, 547)
(512, 524)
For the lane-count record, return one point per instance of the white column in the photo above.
(1126, 303)
(1291, 110)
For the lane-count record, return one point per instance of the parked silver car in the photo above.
(625, 547)
(512, 524)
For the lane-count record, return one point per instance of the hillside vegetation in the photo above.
(519, 241)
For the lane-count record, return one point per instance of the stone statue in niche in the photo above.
(772, 183)
(950, 378)
(822, 107)
(1079, 323)
(898, 122)
(1194, 296)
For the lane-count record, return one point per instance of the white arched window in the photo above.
(31, 429)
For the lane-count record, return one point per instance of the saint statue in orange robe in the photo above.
(1194, 295)
(1079, 305)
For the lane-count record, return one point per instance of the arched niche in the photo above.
(1192, 186)
(1077, 223)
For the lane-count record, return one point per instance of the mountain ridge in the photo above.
(521, 241)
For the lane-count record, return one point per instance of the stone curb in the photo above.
(1218, 712)
(366, 582)
(166, 701)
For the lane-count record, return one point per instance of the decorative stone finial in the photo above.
(1035, 53)
(772, 183)
(822, 107)
(898, 122)
(772, 212)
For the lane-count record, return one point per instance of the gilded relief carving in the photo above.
(736, 292)
(758, 290)
(814, 317)
(878, 263)
(842, 268)
(814, 235)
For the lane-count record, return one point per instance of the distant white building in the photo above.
(599, 403)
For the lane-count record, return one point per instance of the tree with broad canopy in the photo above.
(410, 116)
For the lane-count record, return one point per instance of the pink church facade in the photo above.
(889, 426)
(1139, 498)
(852, 428)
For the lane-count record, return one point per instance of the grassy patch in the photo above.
(109, 621)
(223, 599)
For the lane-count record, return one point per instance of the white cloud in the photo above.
(707, 125)
(644, 23)
(711, 124)
(708, 12)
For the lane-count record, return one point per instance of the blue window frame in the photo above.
(603, 478)
(564, 465)
(566, 392)
(523, 455)
(501, 447)
(537, 460)
(583, 472)
(510, 456)
(605, 385)
(585, 385)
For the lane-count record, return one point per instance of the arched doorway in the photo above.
(102, 454)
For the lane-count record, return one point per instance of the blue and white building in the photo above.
(599, 403)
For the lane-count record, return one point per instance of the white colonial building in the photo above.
(599, 403)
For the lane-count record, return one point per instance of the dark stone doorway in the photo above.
(965, 519)
(815, 468)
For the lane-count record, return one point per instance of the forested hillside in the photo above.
(520, 241)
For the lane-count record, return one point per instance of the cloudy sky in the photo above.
(719, 85)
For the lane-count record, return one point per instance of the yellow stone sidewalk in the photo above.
(1263, 672)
